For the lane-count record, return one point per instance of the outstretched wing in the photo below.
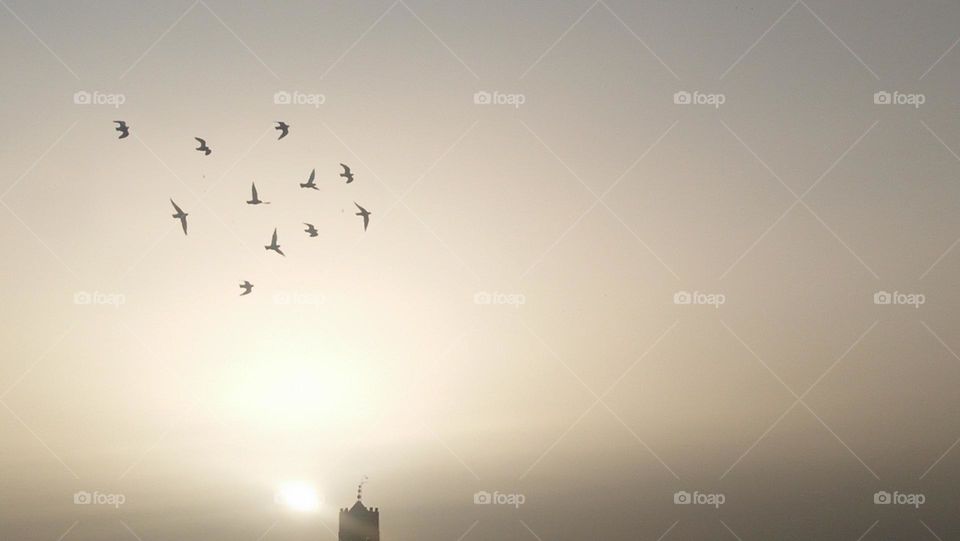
(346, 169)
(253, 187)
(273, 241)
(179, 211)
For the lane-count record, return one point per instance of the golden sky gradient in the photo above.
(514, 319)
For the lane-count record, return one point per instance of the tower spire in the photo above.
(363, 481)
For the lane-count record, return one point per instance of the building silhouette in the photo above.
(359, 523)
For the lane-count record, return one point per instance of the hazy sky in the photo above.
(515, 318)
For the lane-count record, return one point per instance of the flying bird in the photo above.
(255, 200)
(366, 215)
(346, 173)
(247, 287)
(180, 215)
(310, 183)
(122, 128)
(203, 147)
(310, 230)
(284, 129)
(273, 244)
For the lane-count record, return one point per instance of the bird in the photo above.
(366, 215)
(346, 173)
(180, 215)
(273, 244)
(247, 287)
(310, 230)
(284, 129)
(122, 128)
(203, 147)
(310, 183)
(255, 200)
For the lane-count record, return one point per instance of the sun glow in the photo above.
(298, 496)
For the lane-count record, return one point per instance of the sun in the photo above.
(298, 496)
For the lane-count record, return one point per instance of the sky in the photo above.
(659, 270)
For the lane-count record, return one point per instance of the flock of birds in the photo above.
(274, 246)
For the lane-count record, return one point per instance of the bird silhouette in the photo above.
(310, 230)
(310, 181)
(203, 147)
(366, 215)
(254, 199)
(247, 287)
(346, 173)
(284, 129)
(122, 128)
(180, 215)
(273, 244)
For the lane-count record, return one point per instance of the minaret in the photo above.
(360, 523)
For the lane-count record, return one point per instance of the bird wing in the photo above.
(274, 240)
(201, 141)
(346, 170)
(183, 222)
(253, 187)
(313, 175)
(366, 221)
(179, 211)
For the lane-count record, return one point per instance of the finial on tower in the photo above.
(363, 481)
